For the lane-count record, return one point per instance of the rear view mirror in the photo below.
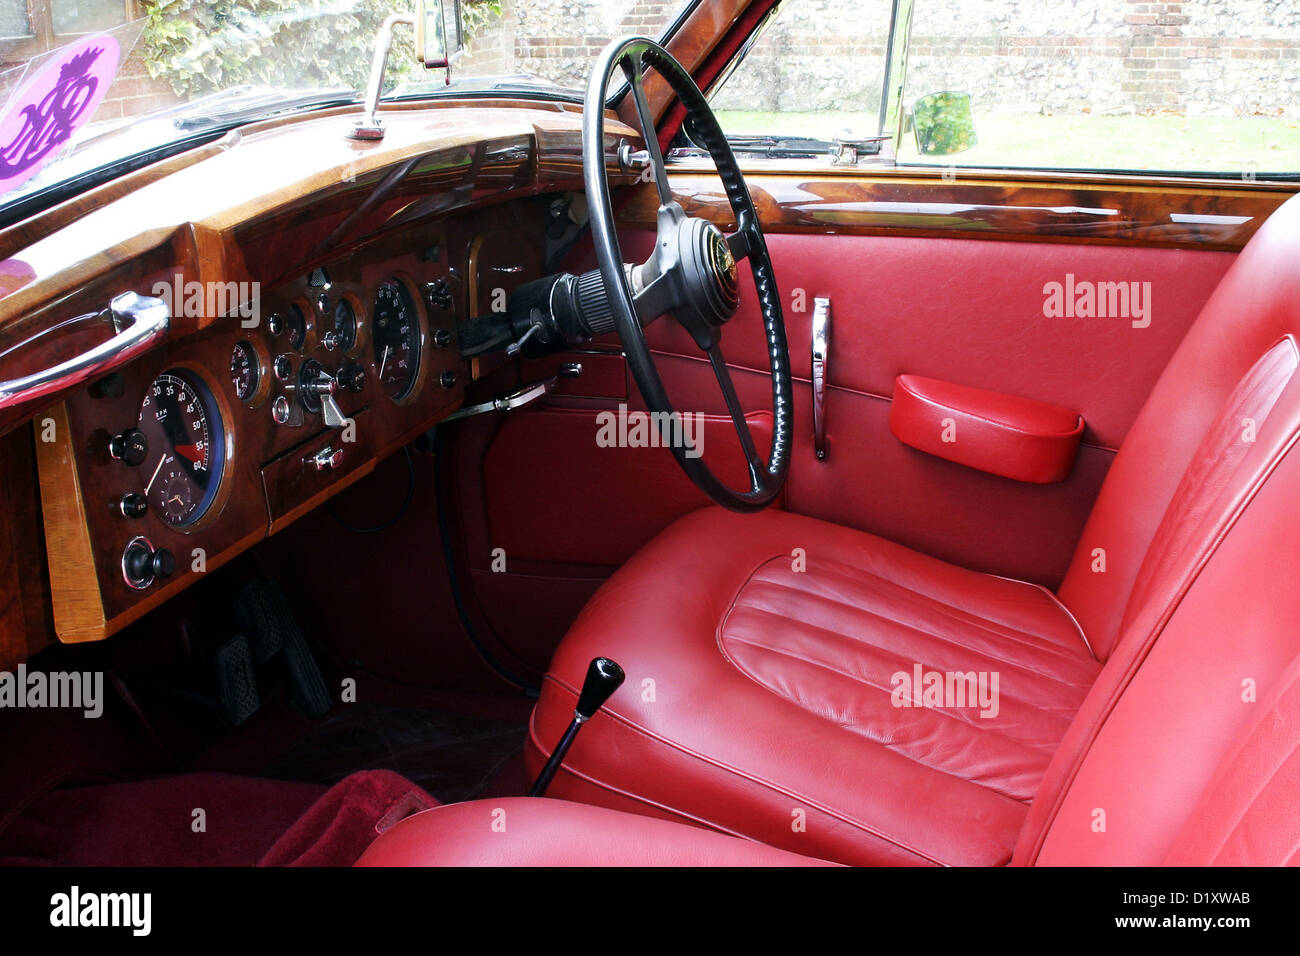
(439, 36)
(943, 124)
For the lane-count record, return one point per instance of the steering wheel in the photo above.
(691, 275)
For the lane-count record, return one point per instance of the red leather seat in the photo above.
(521, 832)
(761, 653)
(758, 699)
(771, 702)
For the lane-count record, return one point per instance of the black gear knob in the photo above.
(603, 678)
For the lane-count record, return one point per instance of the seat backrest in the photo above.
(1186, 445)
(1181, 749)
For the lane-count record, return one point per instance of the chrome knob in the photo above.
(327, 457)
(280, 410)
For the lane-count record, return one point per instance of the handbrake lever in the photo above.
(505, 403)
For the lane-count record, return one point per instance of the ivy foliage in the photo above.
(201, 46)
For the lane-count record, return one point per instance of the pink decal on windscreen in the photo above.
(50, 106)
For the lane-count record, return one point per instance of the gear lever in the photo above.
(603, 678)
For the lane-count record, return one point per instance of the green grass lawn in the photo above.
(1206, 143)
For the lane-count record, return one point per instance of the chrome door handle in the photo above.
(821, 344)
(137, 319)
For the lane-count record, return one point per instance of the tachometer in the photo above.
(186, 444)
(395, 333)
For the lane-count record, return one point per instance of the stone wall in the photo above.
(1225, 57)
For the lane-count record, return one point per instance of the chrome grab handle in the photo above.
(821, 344)
(137, 319)
(505, 403)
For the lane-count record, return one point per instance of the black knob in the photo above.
(448, 379)
(603, 678)
(133, 504)
(142, 564)
(163, 563)
(138, 563)
(131, 447)
(442, 338)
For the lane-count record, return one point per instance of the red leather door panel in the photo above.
(968, 312)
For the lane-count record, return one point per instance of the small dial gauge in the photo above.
(345, 325)
(296, 322)
(187, 447)
(395, 332)
(245, 370)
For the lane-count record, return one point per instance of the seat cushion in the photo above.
(769, 659)
(520, 831)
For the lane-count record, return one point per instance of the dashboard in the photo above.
(313, 285)
(188, 456)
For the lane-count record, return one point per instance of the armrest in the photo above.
(1002, 434)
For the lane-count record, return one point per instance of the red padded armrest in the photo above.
(1002, 434)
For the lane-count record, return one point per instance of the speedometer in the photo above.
(187, 447)
(395, 333)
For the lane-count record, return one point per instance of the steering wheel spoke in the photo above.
(737, 412)
(654, 299)
(740, 244)
(631, 64)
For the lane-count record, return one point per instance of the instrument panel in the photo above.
(194, 452)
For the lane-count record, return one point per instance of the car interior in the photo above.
(558, 482)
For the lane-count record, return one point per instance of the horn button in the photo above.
(711, 291)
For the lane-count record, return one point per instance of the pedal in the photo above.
(259, 618)
(263, 608)
(236, 679)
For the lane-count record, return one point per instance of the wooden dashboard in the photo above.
(341, 269)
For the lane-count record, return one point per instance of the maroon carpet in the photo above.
(243, 821)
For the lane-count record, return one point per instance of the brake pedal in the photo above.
(264, 609)
(237, 694)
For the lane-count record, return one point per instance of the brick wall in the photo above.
(134, 93)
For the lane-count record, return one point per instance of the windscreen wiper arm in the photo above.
(773, 147)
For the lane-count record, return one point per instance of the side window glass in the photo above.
(1105, 84)
(815, 70)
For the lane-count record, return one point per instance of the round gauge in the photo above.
(395, 333)
(296, 322)
(345, 325)
(245, 370)
(187, 447)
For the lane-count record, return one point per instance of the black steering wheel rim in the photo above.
(747, 242)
